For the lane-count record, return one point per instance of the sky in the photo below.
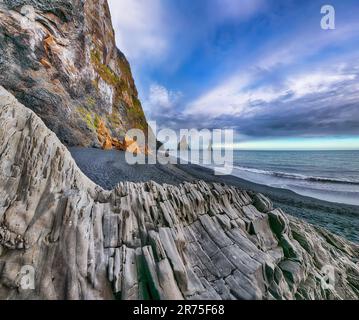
(264, 68)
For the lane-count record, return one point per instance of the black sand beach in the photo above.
(108, 168)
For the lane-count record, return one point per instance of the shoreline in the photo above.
(111, 168)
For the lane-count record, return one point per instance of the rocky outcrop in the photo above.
(149, 241)
(59, 58)
(183, 144)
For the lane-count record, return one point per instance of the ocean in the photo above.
(327, 175)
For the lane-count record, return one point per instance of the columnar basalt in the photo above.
(149, 241)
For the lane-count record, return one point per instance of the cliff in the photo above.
(59, 58)
(139, 241)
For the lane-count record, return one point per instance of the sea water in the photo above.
(326, 175)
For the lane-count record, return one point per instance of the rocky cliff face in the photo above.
(59, 58)
(195, 241)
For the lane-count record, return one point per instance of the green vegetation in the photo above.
(96, 121)
(136, 114)
(125, 69)
(103, 70)
(122, 84)
(108, 75)
(114, 119)
(91, 118)
(91, 102)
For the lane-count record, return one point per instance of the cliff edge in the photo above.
(59, 58)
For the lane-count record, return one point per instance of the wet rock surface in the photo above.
(149, 241)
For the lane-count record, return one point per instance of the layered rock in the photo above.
(59, 58)
(149, 241)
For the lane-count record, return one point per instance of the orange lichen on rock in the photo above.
(132, 146)
(126, 97)
(104, 136)
(50, 44)
(45, 63)
(116, 144)
(108, 142)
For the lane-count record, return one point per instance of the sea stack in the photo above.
(210, 146)
(183, 144)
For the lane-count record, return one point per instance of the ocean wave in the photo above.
(297, 176)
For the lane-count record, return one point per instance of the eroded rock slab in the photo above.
(149, 241)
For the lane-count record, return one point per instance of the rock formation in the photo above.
(183, 144)
(147, 241)
(59, 58)
(210, 146)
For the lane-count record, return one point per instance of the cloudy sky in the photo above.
(265, 68)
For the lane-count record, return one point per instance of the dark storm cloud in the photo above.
(333, 111)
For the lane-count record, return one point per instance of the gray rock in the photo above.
(262, 203)
(147, 241)
(279, 222)
(63, 64)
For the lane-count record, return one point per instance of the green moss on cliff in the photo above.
(96, 121)
(104, 71)
(114, 120)
(91, 119)
(91, 102)
(125, 91)
(136, 114)
(125, 69)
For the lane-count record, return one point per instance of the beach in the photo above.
(108, 168)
